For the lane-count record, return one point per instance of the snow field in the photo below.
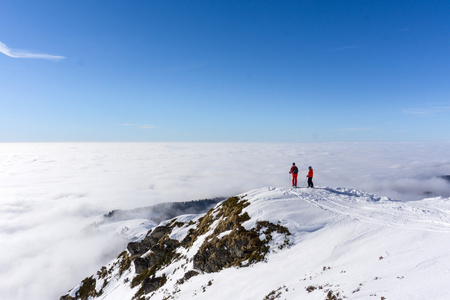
(345, 242)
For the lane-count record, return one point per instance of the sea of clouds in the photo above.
(52, 194)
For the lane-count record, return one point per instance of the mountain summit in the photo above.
(283, 243)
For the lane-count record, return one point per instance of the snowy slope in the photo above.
(344, 244)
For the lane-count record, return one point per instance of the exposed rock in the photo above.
(86, 290)
(231, 250)
(190, 274)
(124, 262)
(152, 284)
(141, 264)
(159, 250)
(227, 244)
(212, 259)
(139, 248)
(240, 246)
(159, 232)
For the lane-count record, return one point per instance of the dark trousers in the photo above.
(310, 183)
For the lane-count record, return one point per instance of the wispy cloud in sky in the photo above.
(141, 126)
(343, 48)
(25, 54)
(188, 66)
(354, 129)
(427, 111)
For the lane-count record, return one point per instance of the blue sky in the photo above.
(228, 71)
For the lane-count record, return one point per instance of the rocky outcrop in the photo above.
(152, 239)
(157, 243)
(86, 290)
(216, 241)
(190, 274)
(239, 248)
(152, 284)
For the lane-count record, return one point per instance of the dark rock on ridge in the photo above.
(227, 244)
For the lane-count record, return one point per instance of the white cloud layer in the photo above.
(24, 54)
(50, 194)
(427, 111)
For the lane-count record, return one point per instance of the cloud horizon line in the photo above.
(23, 54)
(426, 111)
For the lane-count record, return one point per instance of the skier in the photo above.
(310, 177)
(294, 172)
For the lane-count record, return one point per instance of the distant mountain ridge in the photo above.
(283, 243)
(163, 211)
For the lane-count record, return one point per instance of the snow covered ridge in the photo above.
(283, 243)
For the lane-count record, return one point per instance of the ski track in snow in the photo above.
(413, 214)
(373, 246)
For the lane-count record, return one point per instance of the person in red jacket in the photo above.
(310, 177)
(294, 172)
